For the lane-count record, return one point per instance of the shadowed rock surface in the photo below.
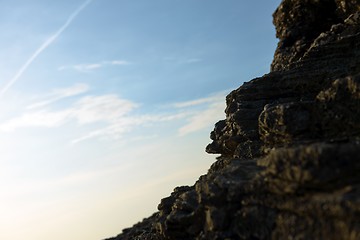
(290, 144)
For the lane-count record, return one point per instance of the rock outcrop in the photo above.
(290, 144)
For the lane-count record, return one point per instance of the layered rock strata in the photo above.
(290, 144)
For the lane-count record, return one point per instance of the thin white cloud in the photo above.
(105, 108)
(204, 118)
(59, 94)
(112, 131)
(74, 90)
(36, 119)
(44, 46)
(196, 102)
(113, 115)
(90, 109)
(110, 110)
(117, 128)
(88, 67)
(118, 62)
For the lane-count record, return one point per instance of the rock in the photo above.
(298, 23)
(289, 147)
(140, 231)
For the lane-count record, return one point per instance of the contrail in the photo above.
(45, 45)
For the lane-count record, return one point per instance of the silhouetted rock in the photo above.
(290, 144)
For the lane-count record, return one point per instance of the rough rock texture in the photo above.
(290, 144)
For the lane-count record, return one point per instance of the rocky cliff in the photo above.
(290, 144)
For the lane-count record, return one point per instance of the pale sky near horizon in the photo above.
(107, 105)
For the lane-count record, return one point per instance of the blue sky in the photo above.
(107, 105)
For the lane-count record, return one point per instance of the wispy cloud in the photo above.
(117, 62)
(204, 112)
(105, 108)
(58, 94)
(44, 46)
(37, 119)
(88, 67)
(111, 111)
(211, 99)
(204, 118)
(116, 129)
(112, 131)
(112, 116)
(89, 109)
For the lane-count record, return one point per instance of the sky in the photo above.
(107, 105)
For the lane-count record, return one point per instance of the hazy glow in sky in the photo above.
(107, 105)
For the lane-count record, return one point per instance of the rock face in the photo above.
(290, 144)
